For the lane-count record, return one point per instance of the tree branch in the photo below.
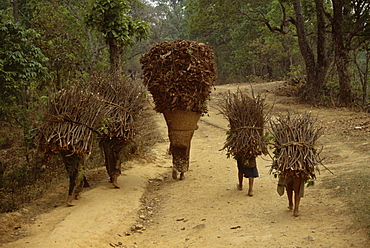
(284, 27)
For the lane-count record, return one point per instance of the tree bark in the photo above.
(316, 69)
(15, 11)
(115, 53)
(322, 49)
(341, 54)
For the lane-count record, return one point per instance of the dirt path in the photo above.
(206, 209)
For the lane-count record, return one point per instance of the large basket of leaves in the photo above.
(179, 74)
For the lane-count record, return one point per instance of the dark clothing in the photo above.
(245, 168)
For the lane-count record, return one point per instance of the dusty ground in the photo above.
(206, 209)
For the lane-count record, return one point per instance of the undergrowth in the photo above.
(25, 174)
(354, 188)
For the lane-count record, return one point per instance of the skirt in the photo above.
(247, 171)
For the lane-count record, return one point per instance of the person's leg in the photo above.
(289, 191)
(251, 181)
(182, 176)
(240, 180)
(174, 173)
(297, 198)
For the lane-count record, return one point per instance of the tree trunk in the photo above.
(15, 11)
(341, 54)
(115, 53)
(316, 72)
(322, 50)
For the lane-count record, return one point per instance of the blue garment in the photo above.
(247, 171)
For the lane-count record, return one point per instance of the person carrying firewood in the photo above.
(296, 157)
(180, 75)
(245, 139)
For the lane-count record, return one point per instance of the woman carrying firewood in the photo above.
(245, 140)
(180, 75)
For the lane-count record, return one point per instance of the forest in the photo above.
(320, 47)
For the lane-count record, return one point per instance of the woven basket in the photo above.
(181, 126)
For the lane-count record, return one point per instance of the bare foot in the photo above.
(239, 187)
(69, 201)
(182, 176)
(296, 213)
(114, 182)
(250, 192)
(290, 207)
(116, 186)
(174, 174)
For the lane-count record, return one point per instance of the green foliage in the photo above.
(243, 45)
(174, 23)
(112, 19)
(296, 75)
(61, 41)
(310, 183)
(21, 63)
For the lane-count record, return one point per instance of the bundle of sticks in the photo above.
(295, 140)
(179, 74)
(124, 102)
(72, 118)
(246, 119)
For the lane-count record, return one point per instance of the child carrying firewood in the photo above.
(296, 158)
(245, 140)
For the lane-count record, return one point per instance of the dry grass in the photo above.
(353, 188)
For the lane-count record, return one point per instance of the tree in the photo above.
(96, 43)
(349, 19)
(316, 69)
(174, 18)
(362, 63)
(243, 47)
(62, 41)
(112, 19)
(21, 62)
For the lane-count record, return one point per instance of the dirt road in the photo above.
(206, 209)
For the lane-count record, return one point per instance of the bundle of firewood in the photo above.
(72, 118)
(179, 74)
(124, 101)
(246, 119)
(295, 140)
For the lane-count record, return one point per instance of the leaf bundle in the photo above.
(295, 140)
(179, 74)
(246, 119)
